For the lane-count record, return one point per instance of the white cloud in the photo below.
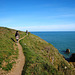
(48, 28)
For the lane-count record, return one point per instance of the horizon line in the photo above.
(52, 31)
(43, 30)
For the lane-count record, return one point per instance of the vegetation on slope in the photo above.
(8, 48)
(42, 58)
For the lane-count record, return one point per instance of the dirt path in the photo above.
(18, 67)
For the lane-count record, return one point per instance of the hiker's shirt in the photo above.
(17, 37)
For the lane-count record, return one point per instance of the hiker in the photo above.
(17, 36)
(26, 32)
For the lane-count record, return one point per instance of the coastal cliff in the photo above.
(41, 57)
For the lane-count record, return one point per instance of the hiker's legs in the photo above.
(17, 40)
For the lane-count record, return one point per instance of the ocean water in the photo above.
(60, 40)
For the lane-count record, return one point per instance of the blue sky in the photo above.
(38, 15)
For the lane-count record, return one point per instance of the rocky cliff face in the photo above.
(72, 58)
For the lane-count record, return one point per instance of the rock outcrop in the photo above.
(72, 58)
(67, 50)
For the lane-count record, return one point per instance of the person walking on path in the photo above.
(26, 32)
(17, 36)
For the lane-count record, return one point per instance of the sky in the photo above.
(38, 15)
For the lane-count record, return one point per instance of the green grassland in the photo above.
(8, 54)
(42, 58)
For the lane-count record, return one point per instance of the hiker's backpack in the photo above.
(17, 37)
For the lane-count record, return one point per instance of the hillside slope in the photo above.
(8, 49)
(43, 59)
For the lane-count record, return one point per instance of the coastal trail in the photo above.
(18, 67)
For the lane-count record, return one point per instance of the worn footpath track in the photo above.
(18, 67)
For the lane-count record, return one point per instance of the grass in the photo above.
(42, 58)
(8, 54)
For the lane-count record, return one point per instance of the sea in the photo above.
(61, 40)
